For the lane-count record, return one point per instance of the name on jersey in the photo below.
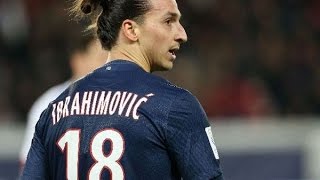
(99, 103)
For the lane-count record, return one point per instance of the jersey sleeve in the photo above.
(33, 116)
(36, 164)
(190, 141)
(32, 119)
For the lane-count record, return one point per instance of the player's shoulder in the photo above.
(182, 97)
(178, 98)
(169, 87)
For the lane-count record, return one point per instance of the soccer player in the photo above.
(121, 121)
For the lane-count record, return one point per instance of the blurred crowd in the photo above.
(244, 58)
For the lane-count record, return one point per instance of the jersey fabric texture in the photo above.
(121, 122)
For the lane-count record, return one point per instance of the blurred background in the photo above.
(253, 64)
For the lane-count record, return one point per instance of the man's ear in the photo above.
(130, 29)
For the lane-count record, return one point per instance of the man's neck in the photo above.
(129, 54)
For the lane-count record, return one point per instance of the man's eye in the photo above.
(168, 21)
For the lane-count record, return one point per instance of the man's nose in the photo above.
(181, 35)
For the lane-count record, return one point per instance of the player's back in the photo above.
(111, 123)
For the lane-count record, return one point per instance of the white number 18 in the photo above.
(69, 142)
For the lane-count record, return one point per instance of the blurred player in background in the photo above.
(82, 62)
(85, 54)
(121, 121)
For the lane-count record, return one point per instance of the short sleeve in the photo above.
(36, 164)
(188, 141)
(34, 113)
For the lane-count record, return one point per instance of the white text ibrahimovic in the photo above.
(99, 103)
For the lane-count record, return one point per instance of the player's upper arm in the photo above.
(189, 141)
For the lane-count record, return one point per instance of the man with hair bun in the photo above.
(122, 121)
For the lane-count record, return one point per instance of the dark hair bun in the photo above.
(87, 6)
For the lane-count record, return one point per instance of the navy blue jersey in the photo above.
(121, 122)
